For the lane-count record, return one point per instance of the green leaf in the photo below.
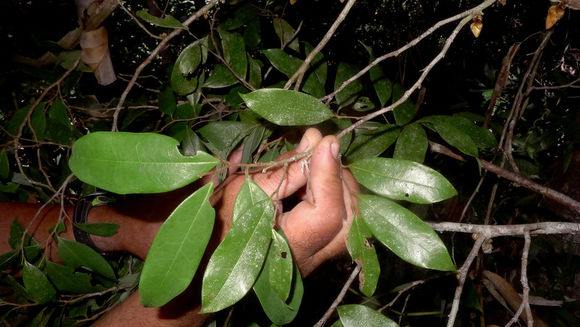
(167, 102)
(252, 142)
(404, 233)
(177, 249)
(382, 85)
(220, 77)
(288, 65)
(445, 126)
(78, 255)
(38, 288)
(402, 180)
(67, 280)
(17, 119)
(355, 315)
(8, 259)
(38, 121)
(276, 275)
(235, 52)
(60, 129)
(253, 34)
(277, 310)
(236, 263)
(135, 162)
(187, 62)
(100, 229)
(371, 143)
(167, 21)
(191, 144)
(412, 144)
(286, 107)
(255, 74)
(483, 138)
(223, 136)
(285, 33)
(349, 93)
(319, 65)
(16, 233)
(4, 165)
(363, 252)
(406, 110)
(243, 15)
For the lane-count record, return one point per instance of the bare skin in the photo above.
(316, 227)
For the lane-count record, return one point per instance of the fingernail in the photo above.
(304, 145)
(335, 148)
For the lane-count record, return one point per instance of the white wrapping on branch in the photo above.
(95, 54)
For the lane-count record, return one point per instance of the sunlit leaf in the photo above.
(412, 144)
(167, 21)
(361, 250)
(78, 255)
(237, 261)
(177, 249)
(100, 229)
(285, 33)
(286, 107)
(38, 288)
(356, 315)
(135, 162)
(67, 280)
(404, 233)
(402, 180)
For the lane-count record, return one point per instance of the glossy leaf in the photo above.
(286, 107)
(255, 73)
(187, 62)
(177, 249)
(277, 310)
(135, 162)
(60, 130)
(191, 143)
(364, 253)
(483, 138)
(276, 275)
(288, 65)
(237, 261)
(167, 21)
(67, 280)
(220, 77)
(78, 255)
(253, 141)
(285, 33)
(223, 136)
(412, 144)
(252, 34)
(235, 52)
(350, 92)
(38, 288)
(445, 126)
(318, 64)
(402, 180)
(355, 315)
(250, 194)
(100, 229)
(382, 85)
(404, 233)
(405, 112)
(167, 102)
(371, 143)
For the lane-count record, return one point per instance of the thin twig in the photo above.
(525, 287)
(571, 84)
(491, 231)
(339, 298)
(138, 21)
(522, 181)
(154, 53)
(462, 276)
(415, 86)
(409, 45)
(299, 74)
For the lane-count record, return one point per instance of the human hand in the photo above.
(317, 226)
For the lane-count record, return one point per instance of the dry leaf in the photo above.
(476, 26)
(95, 53)
(554, 14)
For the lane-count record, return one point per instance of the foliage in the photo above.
(223, 88)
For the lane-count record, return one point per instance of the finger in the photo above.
(288, 180)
